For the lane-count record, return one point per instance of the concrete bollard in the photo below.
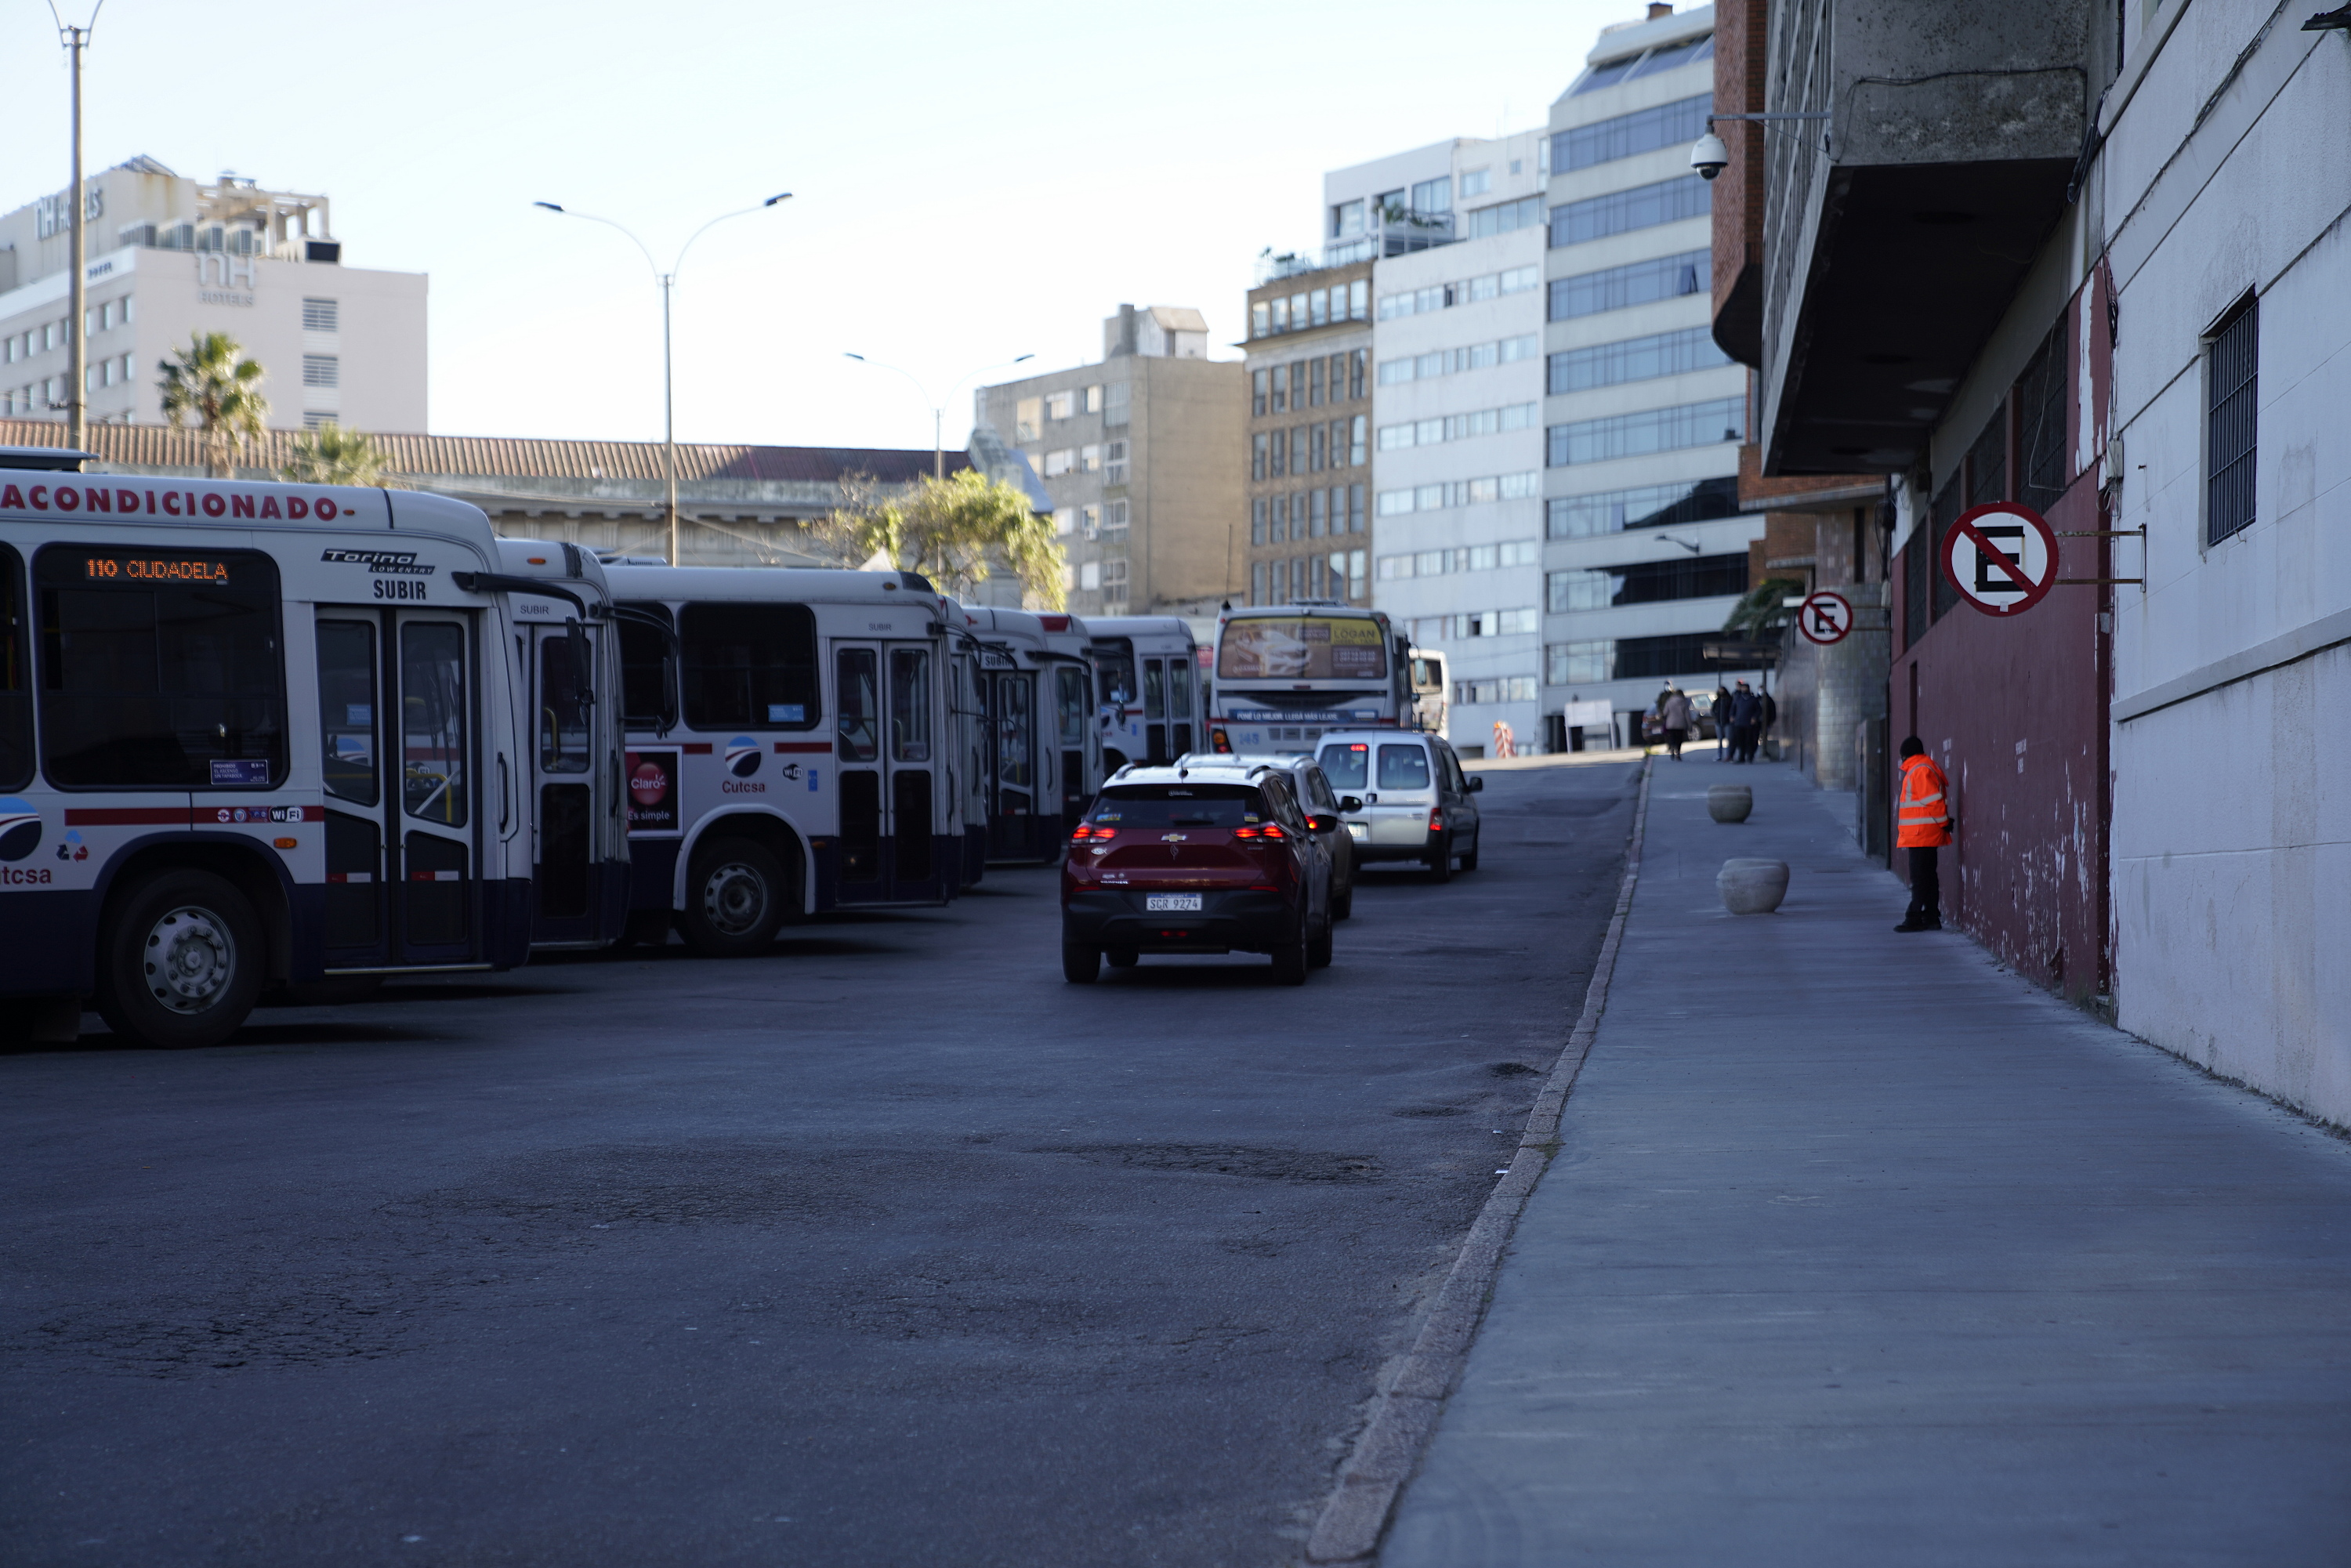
(1729, 802)
(1753, 886)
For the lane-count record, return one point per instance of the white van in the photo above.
(1418, 803)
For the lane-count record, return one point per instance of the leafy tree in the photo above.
(1761, 614)
(332, 454)
(210, 384)
(953, 530)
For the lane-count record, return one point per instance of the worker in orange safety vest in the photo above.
(1922, 824)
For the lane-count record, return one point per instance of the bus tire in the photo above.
(180, 961)
(735, 899)
(1080, 964)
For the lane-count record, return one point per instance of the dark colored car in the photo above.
(1197, 859)
(1312, 791)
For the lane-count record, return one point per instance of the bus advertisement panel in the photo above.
(1284, 673)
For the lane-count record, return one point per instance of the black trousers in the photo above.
(1925, 886)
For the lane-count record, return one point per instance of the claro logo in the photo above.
(382, 562)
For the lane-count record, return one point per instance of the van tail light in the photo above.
(1436, 819)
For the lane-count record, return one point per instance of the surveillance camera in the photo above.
(1709, 156)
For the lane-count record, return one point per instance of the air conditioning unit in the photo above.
(329, 251)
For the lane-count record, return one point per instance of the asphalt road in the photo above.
(888, 1248)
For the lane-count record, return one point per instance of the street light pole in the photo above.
(76, 40)
(938, 410)
(668, 283)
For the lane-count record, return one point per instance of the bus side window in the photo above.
(648, 682)
(1070, 688)
(1179, 688)
(859, 700)
(347, 710)
(15, 678)
(749, 666)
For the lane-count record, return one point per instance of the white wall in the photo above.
(2232, 865)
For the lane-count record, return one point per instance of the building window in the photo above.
(1090, 575)
(1089, 521)
(1652, 430)
(1649, 506)
(1115, 455)
(1496, 689)
(1280, 519)
(1280, 305)
(1643, 206)
(1635, 283)
(1356, 584)
(1359, 299)
(1261, 319)
(1060, 463)
(1321, 449)
(1460, 493)
(1257, 584)
(1314, 384)
(1090, 459)
(1114, 516)
(1257, 509)
(1093, 399)
(1636, 360)
(1281, 463)
(1646, 583)
(1261, 454)
(1260, 389)
(1355, 507)
(1115, 403)
(1298, 383)
(2232, 375)
(321, 371)
(1578, 663)
(1281, 388)
(1475, 623)
(1477, 181)
(1643, 130)
(1028, 418)
(320, 316)
(1460, 426)
(1433, 195)
(1281, 580)
(1506, 217)
(1060, 405)
(1356, 365)
(1347, 219)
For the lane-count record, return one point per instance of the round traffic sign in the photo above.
(1824, 618)
(2001, 558)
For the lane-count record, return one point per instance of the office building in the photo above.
(1139, 455)
(170, 256)
(1309, 417)
(1456, 430)
(1645, 549)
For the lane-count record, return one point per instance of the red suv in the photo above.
(1197, 859)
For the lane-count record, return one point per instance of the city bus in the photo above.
(1425, 669)
(1285, 673)
(1148, 686)
(788, 748)
(1042, 761)
(250, 734)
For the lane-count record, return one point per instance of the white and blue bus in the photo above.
(1285, 673)
(1151, 697)
(1042, 759)
(789, 748)
(259, 734)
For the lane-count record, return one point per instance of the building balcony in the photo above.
(1897, 228)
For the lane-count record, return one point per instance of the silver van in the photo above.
(1418, 803)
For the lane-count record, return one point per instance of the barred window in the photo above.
(321, 371)
(320, 315)
(2231, 375)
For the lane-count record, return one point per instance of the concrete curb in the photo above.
(1357, 1511)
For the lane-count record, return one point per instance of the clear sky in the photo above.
(970, 182)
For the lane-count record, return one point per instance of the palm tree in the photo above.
(212, 385)
(332, 454)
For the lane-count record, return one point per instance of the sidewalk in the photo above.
(1859, 1250)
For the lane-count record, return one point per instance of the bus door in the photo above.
(887, 706)
(1072, 714)
(1180, 680)
(398, 696)
(565, 782)
(1013, 819)
(1155, 712)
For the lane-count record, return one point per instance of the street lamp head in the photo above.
(1023, 357)
(550, 206)
(847, 355)
(772, 201)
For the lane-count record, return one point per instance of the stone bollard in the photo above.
(1729, 802)
(1753, 886)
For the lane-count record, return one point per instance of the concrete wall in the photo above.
(1824, 692)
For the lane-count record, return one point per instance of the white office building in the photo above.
(1645, 551)
(168, 257)
(1456, 230)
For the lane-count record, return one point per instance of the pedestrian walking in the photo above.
(1746, 721)
(1675, 712)
(1922, 825)
(1721, 712)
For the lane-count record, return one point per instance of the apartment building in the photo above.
(1139, 455)
(1645, 549)
(170, 256)
(1309, 433)
(1458, 441)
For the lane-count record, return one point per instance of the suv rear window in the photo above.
(1404, 767)
(1179, 806)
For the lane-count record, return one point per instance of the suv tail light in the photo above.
(1088, 830)
(1271, 830)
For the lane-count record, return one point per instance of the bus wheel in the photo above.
(734, 899)
(179, 962)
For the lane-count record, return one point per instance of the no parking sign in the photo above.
(2001, 558)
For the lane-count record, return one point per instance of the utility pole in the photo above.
(76, 40)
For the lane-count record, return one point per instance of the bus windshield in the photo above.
(1302, 647)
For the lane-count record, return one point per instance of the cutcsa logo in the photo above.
(742, 756)
(20, 830)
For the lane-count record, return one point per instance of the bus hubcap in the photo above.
(190, 957)
(734, 899)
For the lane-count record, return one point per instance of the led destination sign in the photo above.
(155, 569)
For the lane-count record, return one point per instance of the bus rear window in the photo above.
(1302, 648)
(159, 669)
(1178, 806)
(749, 666)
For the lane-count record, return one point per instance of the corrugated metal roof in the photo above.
(161, 446)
